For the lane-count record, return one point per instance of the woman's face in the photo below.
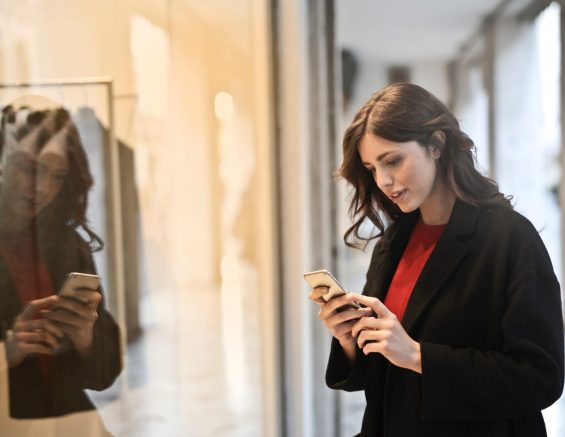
(405, 172)
(33, 178)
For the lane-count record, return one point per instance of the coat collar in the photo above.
(448, 253)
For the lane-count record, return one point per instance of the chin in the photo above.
(26, 212)
(407, 208)
(27, 215)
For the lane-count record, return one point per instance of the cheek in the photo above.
(410, 176)
(432, 172)
(419, 176)
(17, 182)
(56, 188)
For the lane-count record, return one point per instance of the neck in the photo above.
(437, 208)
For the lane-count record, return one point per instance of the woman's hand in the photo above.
(32, 335)
(339, 323)
(386, 336)
(76, 318)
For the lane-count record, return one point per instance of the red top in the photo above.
(26, 267)
(422, 242)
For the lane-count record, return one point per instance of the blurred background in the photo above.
(213, 130)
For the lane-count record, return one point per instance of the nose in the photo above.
(383, 179)
(43, 185)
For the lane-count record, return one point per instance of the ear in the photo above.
(437, 142)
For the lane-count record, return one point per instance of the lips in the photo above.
(33, 203)
(395, 196)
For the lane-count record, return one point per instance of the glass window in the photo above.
(134, 147)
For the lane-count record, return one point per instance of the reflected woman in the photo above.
(55, 347)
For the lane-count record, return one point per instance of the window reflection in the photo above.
(56, 345)
(194, 189)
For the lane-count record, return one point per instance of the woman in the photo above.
(461, 333)
(55, 347)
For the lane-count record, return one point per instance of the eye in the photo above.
(392, 162)
(370, 169)
(26, 166)
(59, 177)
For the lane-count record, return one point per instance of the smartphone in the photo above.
(75, 281)
(323, 278)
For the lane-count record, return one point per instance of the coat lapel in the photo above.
(10, 303)
(448, 253)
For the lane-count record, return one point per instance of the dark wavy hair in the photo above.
(404, 112)
(68, 209)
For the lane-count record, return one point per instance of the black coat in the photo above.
(487, 312)
(30, 397)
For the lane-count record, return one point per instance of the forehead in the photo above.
(371, 144)
(53, 162)
(52, 156)
(57, 145)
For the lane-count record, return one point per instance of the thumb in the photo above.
(33, 307)
(375, 304)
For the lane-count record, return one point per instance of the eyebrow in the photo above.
(380, 157)
(58, 170)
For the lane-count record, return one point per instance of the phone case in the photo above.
(323, 278)
(76, 281)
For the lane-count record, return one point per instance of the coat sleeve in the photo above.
(526, 374)
(340, 374)
(104, 362)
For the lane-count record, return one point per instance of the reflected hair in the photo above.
(404, 112)
(68, 209)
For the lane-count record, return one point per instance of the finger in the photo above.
(368, 335)
(37, 325)
(364, 312)
(36, 348)
(333, 305)
(375, 304)
(343, 328)
(361, 324)
(33, 307)
(376, 347)
(87, 311)
(353, 314)
(65, 317)
(371, 323)
(347, 315)
(317, 293)
(89, 296)
(70, 305)
(84, 296)
(43, 337)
